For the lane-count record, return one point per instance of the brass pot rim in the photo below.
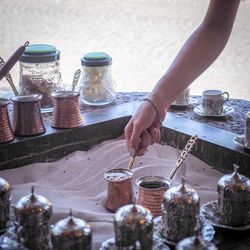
(151, 178)
(27, 98)
(119, 170)
(4, 102)
(65, 94)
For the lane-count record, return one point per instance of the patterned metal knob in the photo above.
(180, 209)
(5, 204)
(133, 227)
(71, 233)
(234, 199)
(33, 213)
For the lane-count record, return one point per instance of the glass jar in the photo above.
(97, 86)
(40, 72)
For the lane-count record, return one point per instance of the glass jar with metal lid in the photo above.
(40, 72)
(97, 86)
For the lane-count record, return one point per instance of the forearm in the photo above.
(196, 55)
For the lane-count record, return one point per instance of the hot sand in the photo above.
(77, 180)
(142, 36)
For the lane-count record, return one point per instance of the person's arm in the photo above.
(196, 55)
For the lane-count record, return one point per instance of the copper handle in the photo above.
(12, 61)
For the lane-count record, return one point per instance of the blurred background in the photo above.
(142, 36)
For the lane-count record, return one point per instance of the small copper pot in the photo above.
(120, 191)
(151, 192)
(27, 117)
(6, 132)
(67, 112)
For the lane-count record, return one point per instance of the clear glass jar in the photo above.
(97, 86)
(40, 72)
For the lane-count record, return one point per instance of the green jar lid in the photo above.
(96, 59)
(40, 53)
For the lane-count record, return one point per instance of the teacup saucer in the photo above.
(210, 212)
(207, 231)
(192, 101)
(226, 111)
(240, 140)
(110, 245)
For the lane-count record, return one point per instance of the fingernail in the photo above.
(131, 151)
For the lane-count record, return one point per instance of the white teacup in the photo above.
(213, 101)
(247, 130)
(183, 98)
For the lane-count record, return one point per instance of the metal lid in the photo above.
(133, 214)
(71, 226)
(96, 59)
(195, 243)
(181, 194)
(234, 181)
(4, 102)
(40, 53)
(32, 204)
(27, 98)
(4, 185)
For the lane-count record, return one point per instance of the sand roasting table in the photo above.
(76, 181)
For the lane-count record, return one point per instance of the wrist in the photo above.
(159, 101)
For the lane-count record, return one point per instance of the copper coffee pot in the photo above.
(120, 191)
(6, 132)
(66, 110)
(152, 188)
(27, 117)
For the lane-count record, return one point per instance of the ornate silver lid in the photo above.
(71, 226)
(33, 204)
(181, 195)
(195, 242)
(234, 181)
(133, 214)
(4, 185)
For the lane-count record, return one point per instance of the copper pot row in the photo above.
(27, 117)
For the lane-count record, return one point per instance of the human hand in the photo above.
(145, 124)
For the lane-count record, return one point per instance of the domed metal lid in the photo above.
(4, 185)
(182, 194)
(195, 242)
(33, 204)
(133, 214)
(234, 181)
(71, 226)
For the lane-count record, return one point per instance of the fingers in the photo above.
(149, 137)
